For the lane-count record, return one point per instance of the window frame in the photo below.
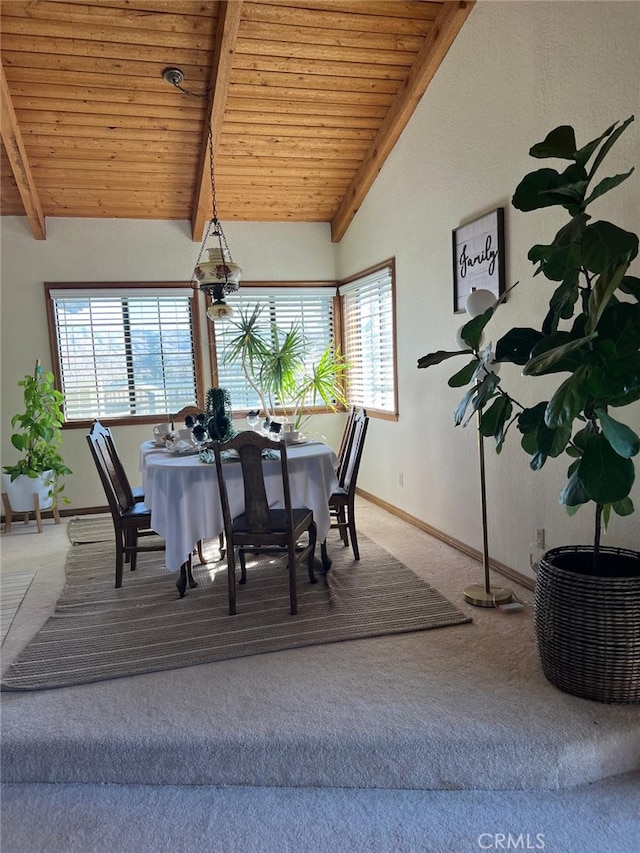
(389, 264)
(155, 286)
(275, 286)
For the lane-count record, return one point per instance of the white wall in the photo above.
(516, 71)
(126, 250)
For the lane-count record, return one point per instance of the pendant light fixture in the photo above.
(218, 276)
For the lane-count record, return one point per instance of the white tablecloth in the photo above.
(182, 493)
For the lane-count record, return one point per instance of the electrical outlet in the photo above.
(540, 538)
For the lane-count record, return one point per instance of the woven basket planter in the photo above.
(588, 626)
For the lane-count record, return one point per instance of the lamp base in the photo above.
(477, 594)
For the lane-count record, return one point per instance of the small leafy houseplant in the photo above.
(277, 367)
(589, 338)
(39, 434)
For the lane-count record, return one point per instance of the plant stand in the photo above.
(587, 625)
(9, 513)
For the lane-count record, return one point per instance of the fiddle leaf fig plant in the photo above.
(590, 337)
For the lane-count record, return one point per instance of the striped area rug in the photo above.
(98, 632)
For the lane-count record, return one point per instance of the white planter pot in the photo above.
(21, 491)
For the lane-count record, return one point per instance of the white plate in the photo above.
(187, 452)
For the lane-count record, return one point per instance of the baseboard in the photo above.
(500, 568)
(46, 513)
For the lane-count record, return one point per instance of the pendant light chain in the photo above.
(215, 222)
(216, 277)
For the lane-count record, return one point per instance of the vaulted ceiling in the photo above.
(305, 100)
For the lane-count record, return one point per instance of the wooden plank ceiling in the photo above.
(308, 97)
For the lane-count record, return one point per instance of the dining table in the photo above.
(181, 490)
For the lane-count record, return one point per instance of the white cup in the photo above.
(160, 431)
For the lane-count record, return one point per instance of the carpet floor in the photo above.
(14, 589)
(98, 632)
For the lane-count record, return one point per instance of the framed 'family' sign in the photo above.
(478, 257)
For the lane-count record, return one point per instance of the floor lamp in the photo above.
(484, 595)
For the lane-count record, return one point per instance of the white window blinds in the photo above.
(309, 308)
(368, 330)
(124, 352)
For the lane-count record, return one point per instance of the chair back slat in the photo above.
(110, 469)
(256, 505)
(344, 454)
(345, 443)
(349, 473)
(249, 446)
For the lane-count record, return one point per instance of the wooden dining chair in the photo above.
(261, 529)
(99, 429)
(177, 420)
(131, 519)
(345, 444)
(342, 501)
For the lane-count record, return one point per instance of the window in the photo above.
(310, 308)
(124, 351)
(368, 318)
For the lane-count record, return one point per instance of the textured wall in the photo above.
(516, 71)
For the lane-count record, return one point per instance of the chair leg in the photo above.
(201, 556)
(342, 523)
(119, 558)
(293, 592)
(313, 536)
(231, 580)
(134, 553)
(243, 566)
(352, 531)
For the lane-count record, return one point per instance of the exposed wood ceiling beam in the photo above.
(227, 35)
(12, 138)
(446, 27)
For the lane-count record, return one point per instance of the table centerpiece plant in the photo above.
(590, 339)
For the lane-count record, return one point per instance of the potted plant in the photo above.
(278, 366)
(38, 437)
(587, 598)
